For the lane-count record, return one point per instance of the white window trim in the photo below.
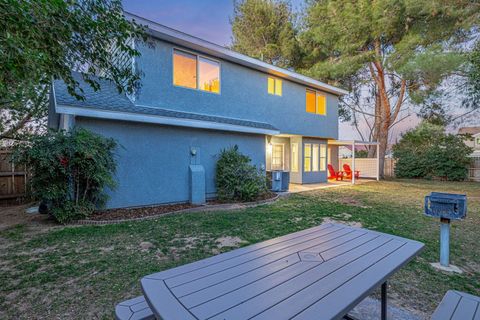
(197, 70)
(283, 156)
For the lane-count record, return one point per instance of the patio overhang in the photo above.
(353, 144)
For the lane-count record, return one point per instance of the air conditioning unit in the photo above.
(280, 180)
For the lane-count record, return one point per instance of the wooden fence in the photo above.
(13, 180)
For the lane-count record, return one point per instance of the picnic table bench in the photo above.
(457, 305)
(318, 273)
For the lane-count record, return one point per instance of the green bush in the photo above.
(428, 152)
(70, 171)
(237, 179)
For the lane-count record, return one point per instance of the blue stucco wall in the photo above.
(153, 160)
(243, 95)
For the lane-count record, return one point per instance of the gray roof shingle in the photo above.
(108, 99)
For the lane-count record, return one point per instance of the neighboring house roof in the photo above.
(469, 130)
(177, 37)
(107, 103)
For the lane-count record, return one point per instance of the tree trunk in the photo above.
(382, 148)
(386, 115)
(372, 151)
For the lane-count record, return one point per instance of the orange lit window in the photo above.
(316, 102)
(311, 101)
(184, 69)
(208, 75)
(274, 86)
(196, 72)
(321, 104)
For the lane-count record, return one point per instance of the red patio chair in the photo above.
(348, 172)
(337, 175)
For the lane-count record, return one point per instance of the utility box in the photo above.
(197, 184)
(280, 180)
(446, 205)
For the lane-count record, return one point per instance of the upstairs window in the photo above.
(184, 69)
(208, 75)
(274, 86)
(316, 102)
(195, 72)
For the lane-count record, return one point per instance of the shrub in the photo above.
(428, 152)
(70, 171)
(236, 178)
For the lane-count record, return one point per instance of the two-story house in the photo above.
(473, 140)
(197, 98)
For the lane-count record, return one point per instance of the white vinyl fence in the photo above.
(474, 170)
(368, 166)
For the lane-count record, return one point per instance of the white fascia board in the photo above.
(136, 117)
(188, 41)
(351, 142)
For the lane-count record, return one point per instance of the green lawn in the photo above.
(82, 272)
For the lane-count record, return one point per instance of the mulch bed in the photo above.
(265, 196)
(131, 213)
(134, 213)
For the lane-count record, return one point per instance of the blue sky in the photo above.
(207, 19)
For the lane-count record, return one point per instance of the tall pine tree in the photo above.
(405, 48)
(264, 29)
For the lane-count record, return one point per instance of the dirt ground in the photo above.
(15, 215)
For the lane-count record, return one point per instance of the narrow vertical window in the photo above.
(184, 69)
(321, 104)
(208, 75)
(274, 86)
(271, 85)
(277, 157)
(294, 160)
(315, 157)
(310, 101)
(323, 157)
(307, 161)
(278, 87)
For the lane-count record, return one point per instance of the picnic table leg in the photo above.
(384, 301)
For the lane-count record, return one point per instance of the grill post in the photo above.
(445, 242)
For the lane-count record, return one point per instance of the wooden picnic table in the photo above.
(318, 273)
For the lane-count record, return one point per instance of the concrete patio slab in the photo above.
(369, 309)
(295, 188)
